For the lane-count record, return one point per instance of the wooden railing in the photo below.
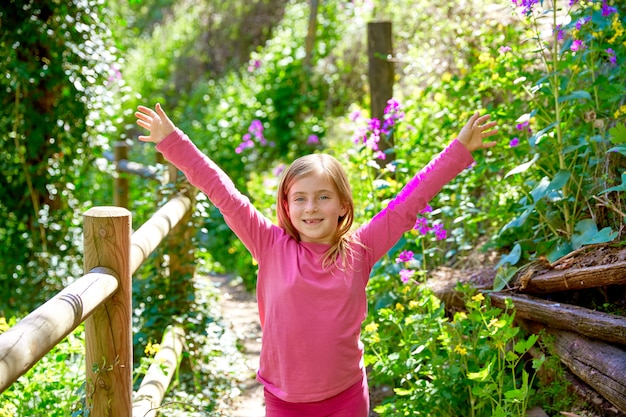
(101, 298)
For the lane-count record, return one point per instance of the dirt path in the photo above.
(240, 310)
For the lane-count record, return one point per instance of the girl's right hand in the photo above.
(156, 121)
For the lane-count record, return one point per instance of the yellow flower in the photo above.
(460, 350)
(399, 307)
(152, 349)
(371, 328)
(413, 304)
(478, 297)
(446, 77)
(376, 338)
(620, 111)
(459, 316)
(4, 326)
(616, 25)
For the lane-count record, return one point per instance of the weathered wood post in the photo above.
(380, 71)
(120, 189)
(108, 331)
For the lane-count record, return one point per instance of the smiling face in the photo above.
(314, 208)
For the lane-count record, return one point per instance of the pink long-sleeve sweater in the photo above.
(310, 316)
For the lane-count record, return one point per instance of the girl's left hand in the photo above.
(156, 121)
(475, 131)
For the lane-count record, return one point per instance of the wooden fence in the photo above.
(102, 299)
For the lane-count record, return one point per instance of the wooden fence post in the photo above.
(380, 72)
(120, 189)
(108, 331)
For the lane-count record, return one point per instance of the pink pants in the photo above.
(353, 402)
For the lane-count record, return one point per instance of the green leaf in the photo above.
(503, 277)
(482, 374)
(534, 139)
(621, 187)
(561, 249)
(402, 391)
(576, 95)
(523, 167)
(513, 257)
(588, 234)
(521, 219)
(618, 149)
(618, 133)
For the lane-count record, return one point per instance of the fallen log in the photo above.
(600, 365)
(539, 282)
(594, 324)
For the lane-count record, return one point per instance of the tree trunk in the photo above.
(601, 366)
(591, 323)
(573, 279)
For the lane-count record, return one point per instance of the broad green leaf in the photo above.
(523, 167)
(618, 133)
(560, 250)
(618, 149)
(536, 138)
(503, 277)
(512, 258)
(576, 95)
(540, 190)
(588, 234)
(521, 219)
(559, 180)
(478, 376)
(621, 187)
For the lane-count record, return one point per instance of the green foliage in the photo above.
(571, 116)
(55, 386)
(58, 93)
(471, 365)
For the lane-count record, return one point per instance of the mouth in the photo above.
(312, 221)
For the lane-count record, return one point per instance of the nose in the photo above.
(311, 206)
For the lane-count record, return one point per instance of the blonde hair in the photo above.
(331, 170)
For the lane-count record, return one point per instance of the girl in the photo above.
(312, 270)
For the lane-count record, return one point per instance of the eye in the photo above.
(324, 197)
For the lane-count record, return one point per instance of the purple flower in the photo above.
(524, 126)
(313, 140)
(607, 10)
(355, 115)
(392, 106)
(612, 56)
(405, 256)
(426, 209)
(254, 65)
(380, 155)
(406, 275)
(440, 232)
(373, 125)
(572, 2)
(514, 142)
(278, 170)
(393, 113)
(421, 225)
(577, 45)
(560, 33)
(526, 5)
(581, 22)
(504, 49)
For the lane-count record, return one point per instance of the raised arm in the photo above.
(255, 230)
(386, 228)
